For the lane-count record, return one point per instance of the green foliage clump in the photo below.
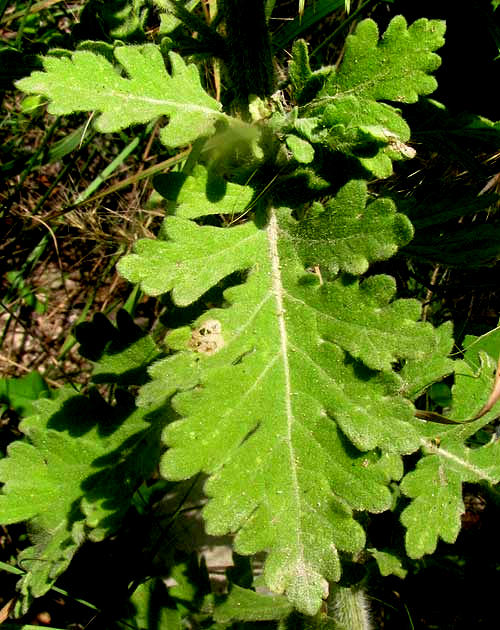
(295, 394)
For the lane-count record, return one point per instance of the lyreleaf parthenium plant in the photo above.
(294, 394)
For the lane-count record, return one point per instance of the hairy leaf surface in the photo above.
(288, 393)
(436, 487)
(447, 462)
(351, 232)
(347, 113)
(89, 82)
(397, 67)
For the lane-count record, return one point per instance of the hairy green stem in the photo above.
(348, 609)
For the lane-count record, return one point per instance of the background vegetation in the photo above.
(73, 202)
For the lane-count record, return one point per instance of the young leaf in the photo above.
(347, 115)
(305, 82)
(278, 384)
(299, 68)
(88, 82)
(373, 132)
(243, 604)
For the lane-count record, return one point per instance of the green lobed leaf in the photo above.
(115, 365)
(88, 82)
(286, 394)
(46, 559)
(472, 387)
(436, 489)
(20, 393)
(396, 67)
(299, 68)
(304, 82)
(351, 232)
(420, 374)
(192, 260)
(301, 150)
(436, 484)
(347, 115)
(388, 563)
(489, 343)
(375, 133)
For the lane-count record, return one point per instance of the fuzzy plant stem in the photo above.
(348, 609)
(248, 56)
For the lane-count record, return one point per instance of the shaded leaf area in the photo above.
(74, 476)
(189, 598)
(434, 217)
(388, 563)
(435, 486)
(463, 244)
(459, 225)
(244, 604)
(149, 607)
(287, 395)
(203, 192)
(20, 393)
(459, 136)
(345, 113)
(89, 82)
(109, 21)
(121, 352)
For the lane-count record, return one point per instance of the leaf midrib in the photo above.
(278, 293)
(458, 461)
